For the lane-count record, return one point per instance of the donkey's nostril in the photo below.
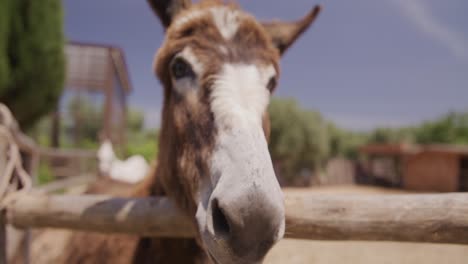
(220, 222)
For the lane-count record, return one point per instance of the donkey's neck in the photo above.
(169, 250)
(166, 250)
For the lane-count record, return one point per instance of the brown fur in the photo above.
(186, 140)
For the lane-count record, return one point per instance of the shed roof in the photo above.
(447, 149)
(389, 149)
(409, 149)
(94, 66)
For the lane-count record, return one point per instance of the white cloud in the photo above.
(420, 14)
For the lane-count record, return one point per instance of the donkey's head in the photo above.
(219, 67)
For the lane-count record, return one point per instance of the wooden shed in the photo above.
(93, 107)
(98, 71)
(440, 168)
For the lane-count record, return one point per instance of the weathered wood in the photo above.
(66, 183)
(3, 162)
(71, 154)
(440, 218)
(26, 246)
(25, 143)
(144, 217)
(3, 240)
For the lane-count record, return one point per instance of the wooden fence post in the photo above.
(3, 242)
(26, 246)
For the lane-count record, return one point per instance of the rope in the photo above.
(14, 165)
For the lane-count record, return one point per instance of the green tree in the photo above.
(449, 129)
(4, 33)
(141, 141)
(31, 57)
(86, 121)
(135, 120)
(392, 135)
(299, 138)
(344, 143)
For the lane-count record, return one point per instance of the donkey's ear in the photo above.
(284, 34)
(168, 9)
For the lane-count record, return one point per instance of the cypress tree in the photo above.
(32, 61)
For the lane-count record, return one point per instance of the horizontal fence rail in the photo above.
(437, 218)
(440, 218)
(157, 217)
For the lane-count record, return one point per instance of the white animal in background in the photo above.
(131, 170)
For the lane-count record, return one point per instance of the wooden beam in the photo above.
(3, 239)
(440, 218)
(138, 216)
(109, 100)
(3, 163)
(26, 246)
(59, 185)
(55, 128)
(67, 153)
(436, 218)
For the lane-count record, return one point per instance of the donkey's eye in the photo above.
(181, 69)
(271, 84)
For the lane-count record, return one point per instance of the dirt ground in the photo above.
(312, 252)
(318, 252)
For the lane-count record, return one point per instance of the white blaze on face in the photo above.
(241, 162)
(190, 16)
(239, 99)
(226, 20)
(240, 95)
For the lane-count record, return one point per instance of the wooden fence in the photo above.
(63, 162)
(440, 218)
(19, 162)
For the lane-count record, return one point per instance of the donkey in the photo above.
(218, 66)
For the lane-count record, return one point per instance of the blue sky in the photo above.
(364, 64)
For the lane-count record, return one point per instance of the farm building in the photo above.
(440, 168)
(93, 107)
(97, 85)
